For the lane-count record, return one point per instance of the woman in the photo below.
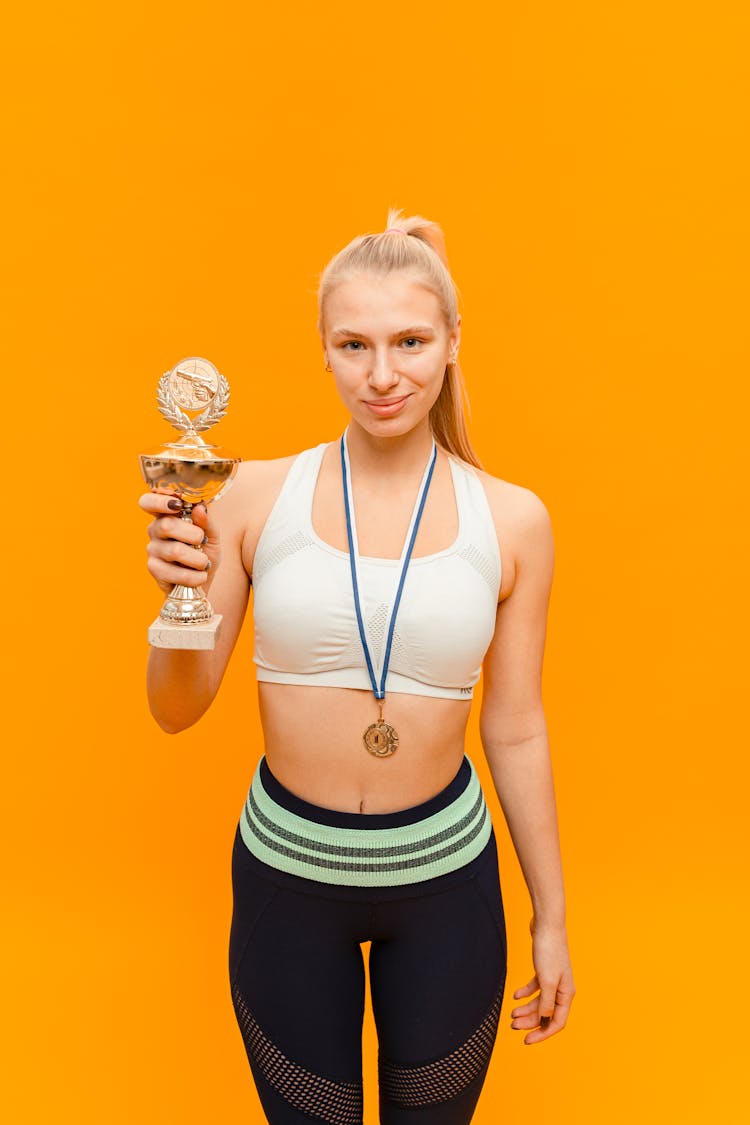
(380, 591)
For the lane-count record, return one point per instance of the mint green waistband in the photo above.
(366, 857)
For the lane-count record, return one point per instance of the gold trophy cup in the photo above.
(196, 472)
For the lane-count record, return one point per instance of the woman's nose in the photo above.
(382, 372)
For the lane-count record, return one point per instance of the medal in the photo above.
(380, 738)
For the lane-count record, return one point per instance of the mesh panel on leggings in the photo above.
(442, 1079)
(339, 1103)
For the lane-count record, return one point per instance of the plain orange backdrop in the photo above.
(177, 175)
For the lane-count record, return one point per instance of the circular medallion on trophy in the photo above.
(193, 383)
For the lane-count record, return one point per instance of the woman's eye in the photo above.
(353, 345)
(411, 342)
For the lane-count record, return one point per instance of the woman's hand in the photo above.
(547, 1012)
(180, 551)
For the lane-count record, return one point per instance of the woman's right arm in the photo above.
(208, 553)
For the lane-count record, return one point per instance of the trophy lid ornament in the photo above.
(192, 386)
(193, 396)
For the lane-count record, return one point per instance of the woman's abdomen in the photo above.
(314, 746)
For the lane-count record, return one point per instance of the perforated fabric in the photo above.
(339, 1103)
(298, 541)
(376, 627)
(441, 1079)
(483, 566)
(376, 631)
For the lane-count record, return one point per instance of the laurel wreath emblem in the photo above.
(169, 409)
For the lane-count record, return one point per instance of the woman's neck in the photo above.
(399, 456)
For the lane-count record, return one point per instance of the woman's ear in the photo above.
(454, 337)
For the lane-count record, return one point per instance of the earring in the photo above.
(328, 364)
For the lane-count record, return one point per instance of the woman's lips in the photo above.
(385, 407)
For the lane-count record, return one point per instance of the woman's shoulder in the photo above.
(255, 488)
(522, 522)
(252, 483)
(259, 472)
(514, 501)
(508, 501)
(269, 473)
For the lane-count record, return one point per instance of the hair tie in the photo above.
(396, 229)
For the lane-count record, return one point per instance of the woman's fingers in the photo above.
(547, 1003)
(169, 575)
(525, 1009)
(171, 563)
(180, 551)
(527, 1023)
(527, 990)
(210, 535)
(159, 503)
(202, 518)
(546, 1014)
(556, 1023)
(171, 527)
(538, 1034)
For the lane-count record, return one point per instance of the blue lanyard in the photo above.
(378, 686)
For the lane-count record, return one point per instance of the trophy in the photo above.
(197, 473)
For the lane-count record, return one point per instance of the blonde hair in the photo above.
(422, 252)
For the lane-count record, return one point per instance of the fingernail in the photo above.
(208, 565)
(205, 540)
(175, 504)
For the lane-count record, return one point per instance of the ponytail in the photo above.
(448, 418)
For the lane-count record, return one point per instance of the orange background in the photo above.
(177, 176)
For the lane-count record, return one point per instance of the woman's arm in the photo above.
(514, 736)
(182, 684)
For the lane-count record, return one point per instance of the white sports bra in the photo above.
(305, 621)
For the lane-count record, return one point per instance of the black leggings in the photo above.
(437, 972)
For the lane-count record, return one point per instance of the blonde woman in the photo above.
(387, 571)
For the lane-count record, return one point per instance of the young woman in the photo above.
(387, 570)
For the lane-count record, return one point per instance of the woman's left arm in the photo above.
(514, 736)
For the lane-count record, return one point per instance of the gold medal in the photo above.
(381, 739)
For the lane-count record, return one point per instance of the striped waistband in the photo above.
(429, 846)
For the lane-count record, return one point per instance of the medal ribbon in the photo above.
(378, 685)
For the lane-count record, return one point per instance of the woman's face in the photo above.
(388, 345)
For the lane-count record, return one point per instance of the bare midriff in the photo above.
(314, 747)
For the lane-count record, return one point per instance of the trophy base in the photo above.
(200, 636)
